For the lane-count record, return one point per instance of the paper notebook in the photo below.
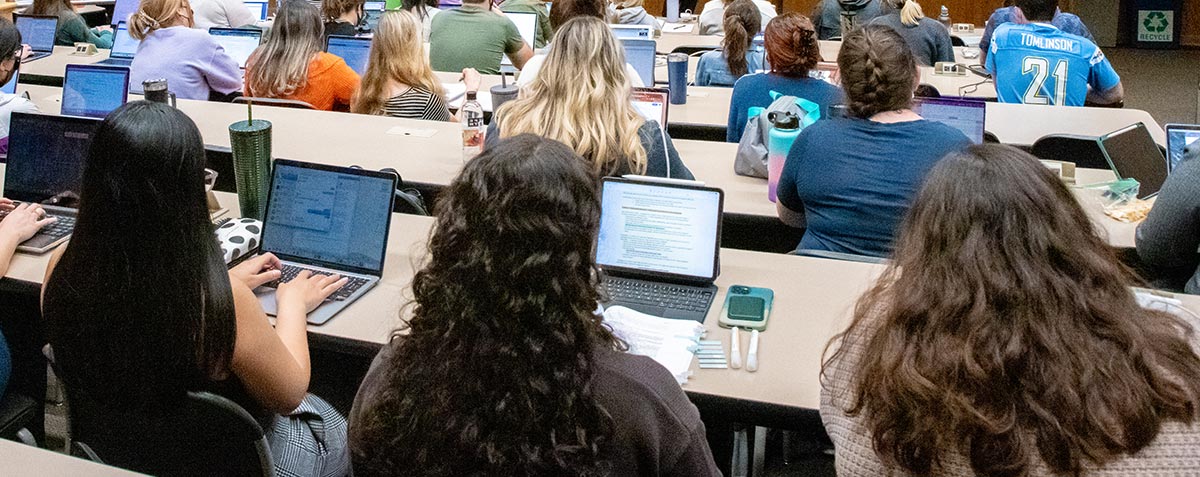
(671, 343)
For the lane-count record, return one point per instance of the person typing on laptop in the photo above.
(20, 223)
(140, 307)
(71, 27)
(194, 65)
(10, 53)
(475, 36)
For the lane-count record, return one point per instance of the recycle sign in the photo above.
(1156, 22)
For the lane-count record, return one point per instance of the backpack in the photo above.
(752, 149)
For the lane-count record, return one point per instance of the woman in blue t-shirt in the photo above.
(792, 51)
(736, 58)
(851, 179)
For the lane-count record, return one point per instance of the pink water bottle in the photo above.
(785, 126)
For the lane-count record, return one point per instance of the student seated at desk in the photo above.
(22, 222)
(399, 81)
(291, 65)
(221, 13)
(71, 27)
(563, 11)
(475, 36)
(1170, 236)
(342, 16)
(544, 31)
(1036, 63)
(425, 11)
(11, 50)
(631, 12)
(194, 65)
(928, 38)
(1066, 22)
(736, 58)
(140, 308)
(852, 178)
(835, 18)
(712, 17)
(1004, 339)
(583, 99)
(792, 51)
(504, 344)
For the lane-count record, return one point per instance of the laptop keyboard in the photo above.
(291, 271)
(59, 229)
(658, 294)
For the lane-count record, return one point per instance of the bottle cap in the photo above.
(471, 95)
(784, 120)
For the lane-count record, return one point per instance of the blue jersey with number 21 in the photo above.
(1036, 63)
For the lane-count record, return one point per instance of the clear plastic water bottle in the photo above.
(473, 128)
(945, 16)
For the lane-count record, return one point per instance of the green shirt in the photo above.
(72, 29)
(544, 32)
(471, 37)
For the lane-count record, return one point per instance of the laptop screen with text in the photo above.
(37, 32)
(640, 55)
(659, 228)
(335, 218)
(1180, 136)
(45, 157)
(239, 44)
(355, 51)
(963, 115)
(93, 90)
(124, 45)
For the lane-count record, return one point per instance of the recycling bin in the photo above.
(1157, 23)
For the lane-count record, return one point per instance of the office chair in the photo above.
(956, 41)
(16, 414)
(846, 257)
(281, 103)
(1083, 151)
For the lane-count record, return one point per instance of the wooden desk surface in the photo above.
(55, 65)
(22, 460)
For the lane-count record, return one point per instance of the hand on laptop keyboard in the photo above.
(299, 287)
(22, 221)
(258, 270)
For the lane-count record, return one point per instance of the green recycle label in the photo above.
(1156, 22)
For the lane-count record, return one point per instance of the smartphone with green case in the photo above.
(747, 307)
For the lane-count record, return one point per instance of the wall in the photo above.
(1191, 22)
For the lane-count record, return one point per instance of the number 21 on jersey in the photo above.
(1040, 68)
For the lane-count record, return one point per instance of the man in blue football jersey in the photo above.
(1036, 63)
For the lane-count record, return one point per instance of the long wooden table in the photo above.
(376, 142)
(22, 460)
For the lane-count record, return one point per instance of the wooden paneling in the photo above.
(1191, 22)
(961, 11)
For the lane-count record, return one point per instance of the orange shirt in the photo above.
(331, 83)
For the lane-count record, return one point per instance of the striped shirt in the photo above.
(417, 103)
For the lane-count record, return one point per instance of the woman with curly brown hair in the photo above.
(792, 51)
(851, 179)
(504, 367)
(1004, 340)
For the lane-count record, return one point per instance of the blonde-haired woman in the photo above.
(194, 65)
(582, 98)
(928, 39)
(399, 81)
(291, 65)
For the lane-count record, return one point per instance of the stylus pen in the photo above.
(752, 355)
(735, 349)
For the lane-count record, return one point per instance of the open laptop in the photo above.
(94, 90)
(652, 103)
(11, 86)
(1132, 153)
(372, 11)
(633, 32)
(258, 10)
(640, 55)
(527, 25)
(46, 154)
(123, 9)
(1180, 136)
(961, 114)
(38, 32)
(239, 43)
(124, 47)
(327, 219)
(355, 50)
(659, 246)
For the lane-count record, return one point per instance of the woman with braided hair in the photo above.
(193, 63)
(852, 178)
(736, 58)
(792, 51)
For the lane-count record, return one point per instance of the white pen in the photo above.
(752, 355)
(735, 349)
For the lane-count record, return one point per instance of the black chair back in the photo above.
(1083, 151)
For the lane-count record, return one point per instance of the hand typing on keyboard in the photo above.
(306, 291)
(257, 271)
(20, 222)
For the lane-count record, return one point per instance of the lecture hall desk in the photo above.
(22, 460)
(354, 139)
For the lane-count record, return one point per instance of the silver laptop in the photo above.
(328, 220)
(124, 47)
(45, 166)
(38, 32)
(659, 245)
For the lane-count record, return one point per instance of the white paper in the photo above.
(456, 95)
(669, 342)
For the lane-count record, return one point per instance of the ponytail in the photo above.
(741, 22)
(152, 15)
(911, 13)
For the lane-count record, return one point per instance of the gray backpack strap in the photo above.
(752, 149)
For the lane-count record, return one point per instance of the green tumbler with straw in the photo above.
(251, 144)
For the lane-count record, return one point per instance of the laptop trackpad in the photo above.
(647, 309)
